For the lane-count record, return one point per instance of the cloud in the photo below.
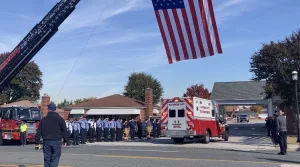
(96, 11)
(120, 37)
(233, 8)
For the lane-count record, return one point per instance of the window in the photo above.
(36, 114)
(213, 113)
(23, 114)
(181, 113)
(172, 113)
(7, 114)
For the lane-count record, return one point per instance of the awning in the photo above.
(113, 112)
(77, 111)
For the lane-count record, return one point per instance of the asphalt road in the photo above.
(84, 155)
(252, 128)
(128, 156)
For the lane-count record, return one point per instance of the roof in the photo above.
(110, 101)
(240, 90)
(23, 103)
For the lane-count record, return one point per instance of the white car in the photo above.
(262, 116)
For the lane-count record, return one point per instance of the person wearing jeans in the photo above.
(281, 132)
(52, 129)
(23, 133)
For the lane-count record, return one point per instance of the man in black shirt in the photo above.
(52, 129)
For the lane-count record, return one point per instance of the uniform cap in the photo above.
(51, 107)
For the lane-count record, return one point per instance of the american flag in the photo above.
(188, 28)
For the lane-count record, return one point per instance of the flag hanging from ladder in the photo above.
(188, 28)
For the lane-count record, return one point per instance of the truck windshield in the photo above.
(36, 114)
(28, 114)
(23, 114)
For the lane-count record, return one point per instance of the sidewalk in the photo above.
(234, 143)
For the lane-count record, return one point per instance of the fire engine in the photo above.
(33, 42)
(11, 118)
(192, 118)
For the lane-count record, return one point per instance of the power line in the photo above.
(80, 53)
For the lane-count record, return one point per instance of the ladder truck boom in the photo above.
(40, 34)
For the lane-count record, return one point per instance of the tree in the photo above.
(274, 62)
(77, 101)
(64, 103)
(26, 85)
(137, 84)
(256, 108)
(197, 91)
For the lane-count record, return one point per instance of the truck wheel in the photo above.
(226, 135)
(178, 140)
(206, 138)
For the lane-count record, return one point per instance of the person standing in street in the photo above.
(268, 125)
(154, 124)
(112, 127)
(132, 129)
(126, 130)
(281, 132)
(92, 130)
(274, 136)
(158, 128)
(23, 133)
(84, 127)
(76, 132)
(118, 130)
(106, 129)
(99, 129)
(52, 129)
(140, 129)
(69, 130)
(149, 128)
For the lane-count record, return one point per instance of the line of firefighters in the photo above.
(113, 130)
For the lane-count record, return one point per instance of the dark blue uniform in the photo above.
(99, 130)
(132, 129)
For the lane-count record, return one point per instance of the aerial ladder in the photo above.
(40, 34)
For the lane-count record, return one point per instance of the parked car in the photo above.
(241, 118)
(263, 116)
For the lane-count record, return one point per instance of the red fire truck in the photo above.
(192, 118)
(11, 118)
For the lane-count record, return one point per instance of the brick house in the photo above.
(117, 106)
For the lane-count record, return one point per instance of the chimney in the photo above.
(44, 106)
(148, 102)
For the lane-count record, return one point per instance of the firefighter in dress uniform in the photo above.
(92, 130)
(106, 129)
(112, 127)
(76, 132)
(119, 130)
(99, 125)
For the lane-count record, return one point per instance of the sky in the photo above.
(105, 41)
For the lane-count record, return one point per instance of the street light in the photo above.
(295, 78)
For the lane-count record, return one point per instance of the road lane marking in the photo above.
(161, 158)
(140, 150)
(7, 165)
(185, 159)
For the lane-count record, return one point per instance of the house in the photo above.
(23, 103)
(117, 106)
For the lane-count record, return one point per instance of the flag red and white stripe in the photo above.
(189, 30)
